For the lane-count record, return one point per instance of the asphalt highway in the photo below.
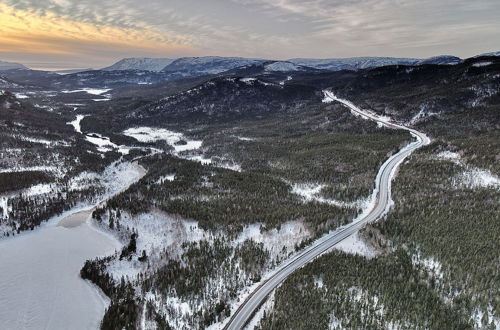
(379, 208)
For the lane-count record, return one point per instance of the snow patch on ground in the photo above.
(470, 177)
(480, 64)
(43, 188)
(310, 192)
(244, 138)
(478, 315)
(177, 140)
(152, 134)
(76, 123)
(476, 178)
(247, 80)
(356, 245)
(17, 168)
(104, 144)
(157, 232)
(280, 242)
(92, 91)
(168, 177)
(449, 155)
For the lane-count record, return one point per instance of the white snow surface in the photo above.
(477, 178)
(471, 177)
(449, 155)
(274, 240)
(93, 91)
(152, 134)
(157, 231)
(40, 284)
(355, 245)
(310, 192)
(76, 123)
(283, 66)
(147, 64)
(480, 64)
(104, 144)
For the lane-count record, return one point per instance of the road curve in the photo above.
(381, 204)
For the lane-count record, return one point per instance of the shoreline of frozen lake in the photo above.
(40, 281)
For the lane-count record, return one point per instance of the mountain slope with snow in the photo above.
(196, 66)
(142, 64)
(11, 65)
(354, 63)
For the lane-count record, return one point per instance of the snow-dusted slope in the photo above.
(489, 54)
(191, 66)
(442, 59)
(357, 63)
(283, 66)
(11, 65)
(143, 64)
(354, 63)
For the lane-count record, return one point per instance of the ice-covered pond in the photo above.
(40, 285)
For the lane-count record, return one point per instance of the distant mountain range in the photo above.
(150, 71)
(11, 65)
(143, 64)
(208, 65)
(196, 66)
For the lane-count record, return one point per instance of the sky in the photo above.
(62, 34)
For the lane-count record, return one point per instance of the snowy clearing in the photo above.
(280, 242)
(476, 178)
(449, 155)
(175, 139)
(311, 192)
(76, 123)
(470, 177)
(92, 91)
(356, 245)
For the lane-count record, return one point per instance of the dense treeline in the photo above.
(223, 199)
(39, 147)
(457, 225)
(207, 276)
(124, 309)
(341, 291)
(435, 223)
(18, 180)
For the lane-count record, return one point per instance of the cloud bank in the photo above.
(70, 33)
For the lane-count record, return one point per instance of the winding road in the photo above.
(379, 207)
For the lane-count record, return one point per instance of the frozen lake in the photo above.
(40, 285)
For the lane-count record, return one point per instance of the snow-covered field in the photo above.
(355, 245)
(151, 134)
(177, 140)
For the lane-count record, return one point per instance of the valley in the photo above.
(190, 195)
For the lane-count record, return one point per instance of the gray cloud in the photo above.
(291, 28)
